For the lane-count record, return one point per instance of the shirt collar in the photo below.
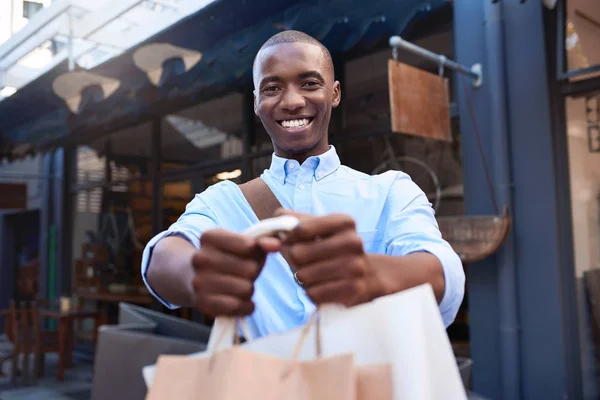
(322, 165)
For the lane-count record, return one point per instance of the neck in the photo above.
(302, 155)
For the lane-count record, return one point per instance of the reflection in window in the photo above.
(582, 34)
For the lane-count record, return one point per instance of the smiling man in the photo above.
(360, 236)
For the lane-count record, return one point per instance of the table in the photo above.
(133, 297)
(65, 332)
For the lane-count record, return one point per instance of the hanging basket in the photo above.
(475, 237)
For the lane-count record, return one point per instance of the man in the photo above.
(360, 236)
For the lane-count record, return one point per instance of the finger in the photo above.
(229, 242)
(215, 305)
(330, 270)
(269, 244)
(313, 251)
(216, 260)
(347, 292)
(320, 227)
(212, 282)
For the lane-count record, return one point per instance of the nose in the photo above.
(292, 100)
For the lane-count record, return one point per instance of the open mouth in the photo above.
(299, 123)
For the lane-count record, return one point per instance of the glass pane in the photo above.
(582, 34)
(584, 169)
(205, 132)
(90, 165)
(176, 195)
(111, 227)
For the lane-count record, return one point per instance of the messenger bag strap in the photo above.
(264, 203)
(260, 197)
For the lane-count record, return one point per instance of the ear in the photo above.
(255, 104)
(337, 94)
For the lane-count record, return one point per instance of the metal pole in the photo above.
(157, 189)
(70, 43)
(474, 72)
(507, 280)
(249, 134)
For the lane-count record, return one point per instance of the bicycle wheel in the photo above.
(421, 173)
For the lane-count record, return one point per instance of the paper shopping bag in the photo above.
(239, 373)
(404, 330)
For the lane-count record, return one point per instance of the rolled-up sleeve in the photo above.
(411, 227)
(196, 219)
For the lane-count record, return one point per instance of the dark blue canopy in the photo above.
(228, 33)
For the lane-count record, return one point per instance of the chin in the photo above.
(300, 149)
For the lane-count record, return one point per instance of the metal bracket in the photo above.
(475, 71)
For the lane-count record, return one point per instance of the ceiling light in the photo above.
(71, 87)
(223, 176)
(151, 59)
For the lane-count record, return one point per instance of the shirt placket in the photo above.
(303, 203)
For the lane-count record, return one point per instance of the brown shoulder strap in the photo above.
(260, 197)
(263, 202)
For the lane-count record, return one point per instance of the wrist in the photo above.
(376, 283)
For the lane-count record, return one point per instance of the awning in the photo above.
(228, 33)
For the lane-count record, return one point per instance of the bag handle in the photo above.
(226, 331)
(229, 327)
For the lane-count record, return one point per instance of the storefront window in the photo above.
(582, 34)
(209, 131)
(584, 169)
(112, 221)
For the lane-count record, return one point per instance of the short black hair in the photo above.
(292, 36)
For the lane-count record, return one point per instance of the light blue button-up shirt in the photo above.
(393, 217)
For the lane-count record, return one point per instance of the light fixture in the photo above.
(223, 176)
(7, 91)
(152, 59)
(78, 88)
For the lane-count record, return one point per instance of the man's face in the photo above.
(294, 94)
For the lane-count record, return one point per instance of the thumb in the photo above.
(269, 244)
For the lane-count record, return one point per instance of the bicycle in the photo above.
(421, 173)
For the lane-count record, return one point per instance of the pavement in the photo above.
(77, 384)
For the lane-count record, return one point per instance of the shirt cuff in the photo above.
(454, 279)
(147, 255)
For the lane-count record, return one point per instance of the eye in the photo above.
(311, 85)
(270, 89)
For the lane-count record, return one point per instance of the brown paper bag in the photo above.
(237, 373)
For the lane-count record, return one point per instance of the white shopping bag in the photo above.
(404, 329)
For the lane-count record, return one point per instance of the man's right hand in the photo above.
(226, 267)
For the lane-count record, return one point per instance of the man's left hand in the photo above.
(329, 261)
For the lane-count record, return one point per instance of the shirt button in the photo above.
(319, 174)
(301, 187)
(292, 166)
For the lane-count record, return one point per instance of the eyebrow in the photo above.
(303, 75)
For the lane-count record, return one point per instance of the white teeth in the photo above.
(295, 123)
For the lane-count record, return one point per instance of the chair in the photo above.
(7, 330)
(44, 341)
(29, 338)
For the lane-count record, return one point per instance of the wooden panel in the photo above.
(13, 195)
(419, 103)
